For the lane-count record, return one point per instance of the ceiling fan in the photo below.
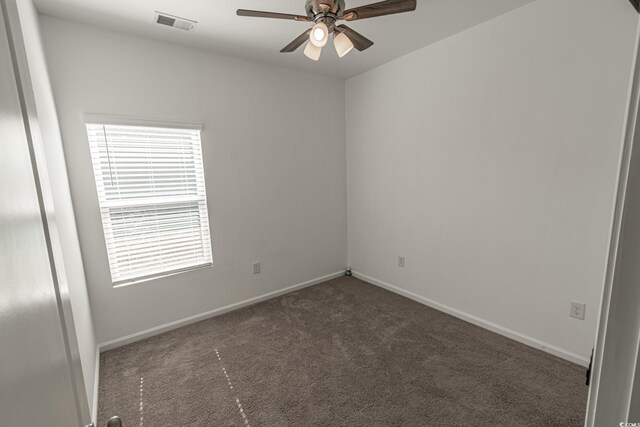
(325, 14)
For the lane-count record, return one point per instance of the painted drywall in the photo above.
(274, 157)
(70, 267)
(221, 31)
(489, 160)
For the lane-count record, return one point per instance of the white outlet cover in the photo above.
(256, 267)
(577, 310)
(400, 260)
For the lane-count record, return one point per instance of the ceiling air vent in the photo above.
(174, 21)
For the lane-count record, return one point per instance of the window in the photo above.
(151, 190)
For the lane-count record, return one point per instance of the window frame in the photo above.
(102, 120)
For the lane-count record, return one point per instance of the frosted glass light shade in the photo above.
(312, 51)
(319, 34)
(342, 44)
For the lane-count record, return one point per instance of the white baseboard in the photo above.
(517, 336)
(96, 381)
(119, 342)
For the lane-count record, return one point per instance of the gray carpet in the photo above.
(342, 353)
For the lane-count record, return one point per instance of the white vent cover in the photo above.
(174, 21)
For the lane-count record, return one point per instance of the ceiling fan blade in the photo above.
(299, 41)
(259, 14)
(359, 41)
(388, 7)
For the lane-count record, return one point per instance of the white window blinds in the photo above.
(151, 190)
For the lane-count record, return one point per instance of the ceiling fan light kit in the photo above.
(325, 14)
(312, 51)
(342, 44)
(319, 34)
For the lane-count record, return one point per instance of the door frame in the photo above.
(27, 101)
(598, 402)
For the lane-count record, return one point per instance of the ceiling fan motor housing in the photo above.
(327, 11)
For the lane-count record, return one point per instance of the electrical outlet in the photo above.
(401, 261)
(577, 310)
(256, 268)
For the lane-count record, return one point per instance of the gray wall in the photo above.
(274, 155)
(489, 160)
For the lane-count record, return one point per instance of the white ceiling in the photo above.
(220, 30)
